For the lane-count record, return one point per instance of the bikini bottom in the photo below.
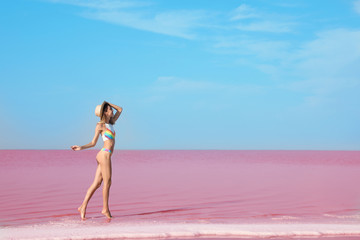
(106, 150)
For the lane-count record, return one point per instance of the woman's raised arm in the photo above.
(118, 112)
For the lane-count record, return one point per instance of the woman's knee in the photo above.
(107, 182)
(96, 185)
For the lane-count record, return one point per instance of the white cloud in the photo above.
(200, 94)
(357, 6)
(322, 69)
(179, 23)
(243, 12)
(252, 20)
(330, 54)
(288, 4)
(326, 68)
(266, 26)
(175, 23)
(320, 66)
(261, 49)
(102, 4)
(329, 60)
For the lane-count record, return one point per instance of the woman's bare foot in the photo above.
(106, 213)
(82, 211)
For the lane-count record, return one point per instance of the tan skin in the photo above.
(103, 158)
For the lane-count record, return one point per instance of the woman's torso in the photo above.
(108, 136)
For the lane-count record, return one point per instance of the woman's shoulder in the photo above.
(100, 125)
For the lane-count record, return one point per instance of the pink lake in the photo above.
(182, 194)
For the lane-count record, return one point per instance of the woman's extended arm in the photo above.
(93, 142)
(118, 112)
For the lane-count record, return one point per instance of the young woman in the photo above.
(104, 128)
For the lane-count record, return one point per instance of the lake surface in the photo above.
(182, 194)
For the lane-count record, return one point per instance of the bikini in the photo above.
(109, 134)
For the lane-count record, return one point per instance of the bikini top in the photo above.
(109, 132)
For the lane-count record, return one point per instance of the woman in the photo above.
(104, 128)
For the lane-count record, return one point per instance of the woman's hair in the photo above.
(106, 105)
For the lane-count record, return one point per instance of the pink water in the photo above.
(182, 194)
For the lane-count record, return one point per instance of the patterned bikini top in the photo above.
(109, 132)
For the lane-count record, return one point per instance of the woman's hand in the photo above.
(76, 148)
(118, 109)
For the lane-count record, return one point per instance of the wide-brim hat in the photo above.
(99, 110)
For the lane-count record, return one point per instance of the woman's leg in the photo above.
(95, 185)
(105, 163)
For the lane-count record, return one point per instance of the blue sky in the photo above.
(189, 74)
